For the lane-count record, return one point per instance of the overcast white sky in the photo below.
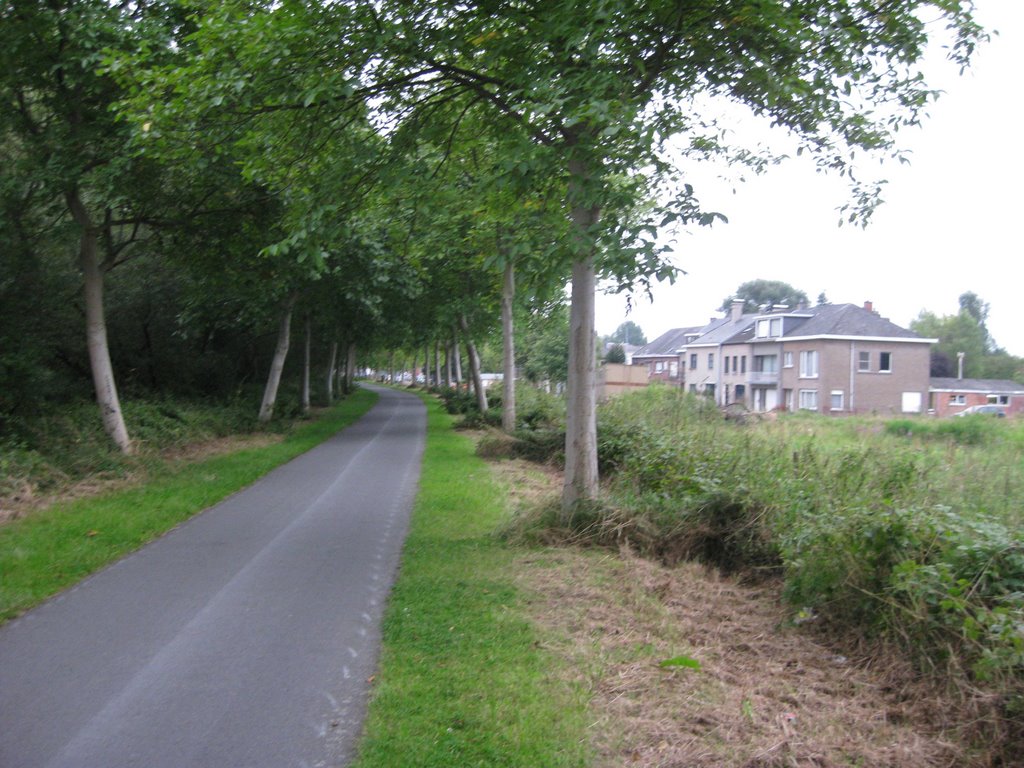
(950, 222)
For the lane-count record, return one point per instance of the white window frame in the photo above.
(711, 361)
(864, 362)
(842, 400)
(787, 359)
(809, 364)
(807, 400)
(957, 400)
(882, 368)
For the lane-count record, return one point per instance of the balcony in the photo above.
(764, 378)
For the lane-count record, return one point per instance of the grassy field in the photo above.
(51, 549)
(463, 680)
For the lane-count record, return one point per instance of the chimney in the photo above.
(959, 365)
(869, 306)
(737, 310)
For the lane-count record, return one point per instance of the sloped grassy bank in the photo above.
(906, 531)
(58, 545)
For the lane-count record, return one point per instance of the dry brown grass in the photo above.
(768, 694)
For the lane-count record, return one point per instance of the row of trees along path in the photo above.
(398, 171)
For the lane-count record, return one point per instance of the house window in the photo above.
(809, 399)
(741, 392)
(693, 361)
(725, 362)
(999, 399)
(885, 362)
(809, 365)
(709, 390)
(693, 388)
(735, 364)
(711, 361)
(787, 360)
(769, 327)
(836, 400)
(659, 367)
(957, 400)
(673, 368)
(743, 364)
(863, 361)
(766, 363)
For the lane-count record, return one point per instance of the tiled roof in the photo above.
(724, 329)
(976, 385)
(848, 320)
(666, 344)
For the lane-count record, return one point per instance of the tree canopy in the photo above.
(384, 166)
(628, 333)
(759, 293)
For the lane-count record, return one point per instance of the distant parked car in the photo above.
(988, 410)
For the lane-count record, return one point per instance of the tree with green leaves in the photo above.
(757, 294)
(628, 333)
(70, 149)
(613, 97)
(616, 354)
(966, 334)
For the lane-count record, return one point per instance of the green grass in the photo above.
(54, 548)
(462, 680)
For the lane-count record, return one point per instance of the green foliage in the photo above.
(966, 332)
(616, 354)
(756, 293)
(628, 333)
(908, 528)
(976, 429)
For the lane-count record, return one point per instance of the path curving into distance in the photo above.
(244, 638)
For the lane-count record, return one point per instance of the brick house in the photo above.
(947, 397)
(834, 358)
(661, 356)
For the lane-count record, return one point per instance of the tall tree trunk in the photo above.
(474, 366)
(305, 365)
(426, 365)
(391, 367)
(448, 365)
(96, 327)
(581, 479)
(277, 366)
(508, 384)
(332, 365)
(457, 359)
(350, 368)
(437, 363)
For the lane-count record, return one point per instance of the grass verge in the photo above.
(463, 680)
(54, 548)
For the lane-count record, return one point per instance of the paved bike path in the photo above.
(243, 638)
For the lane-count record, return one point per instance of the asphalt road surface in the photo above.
(243, 638)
